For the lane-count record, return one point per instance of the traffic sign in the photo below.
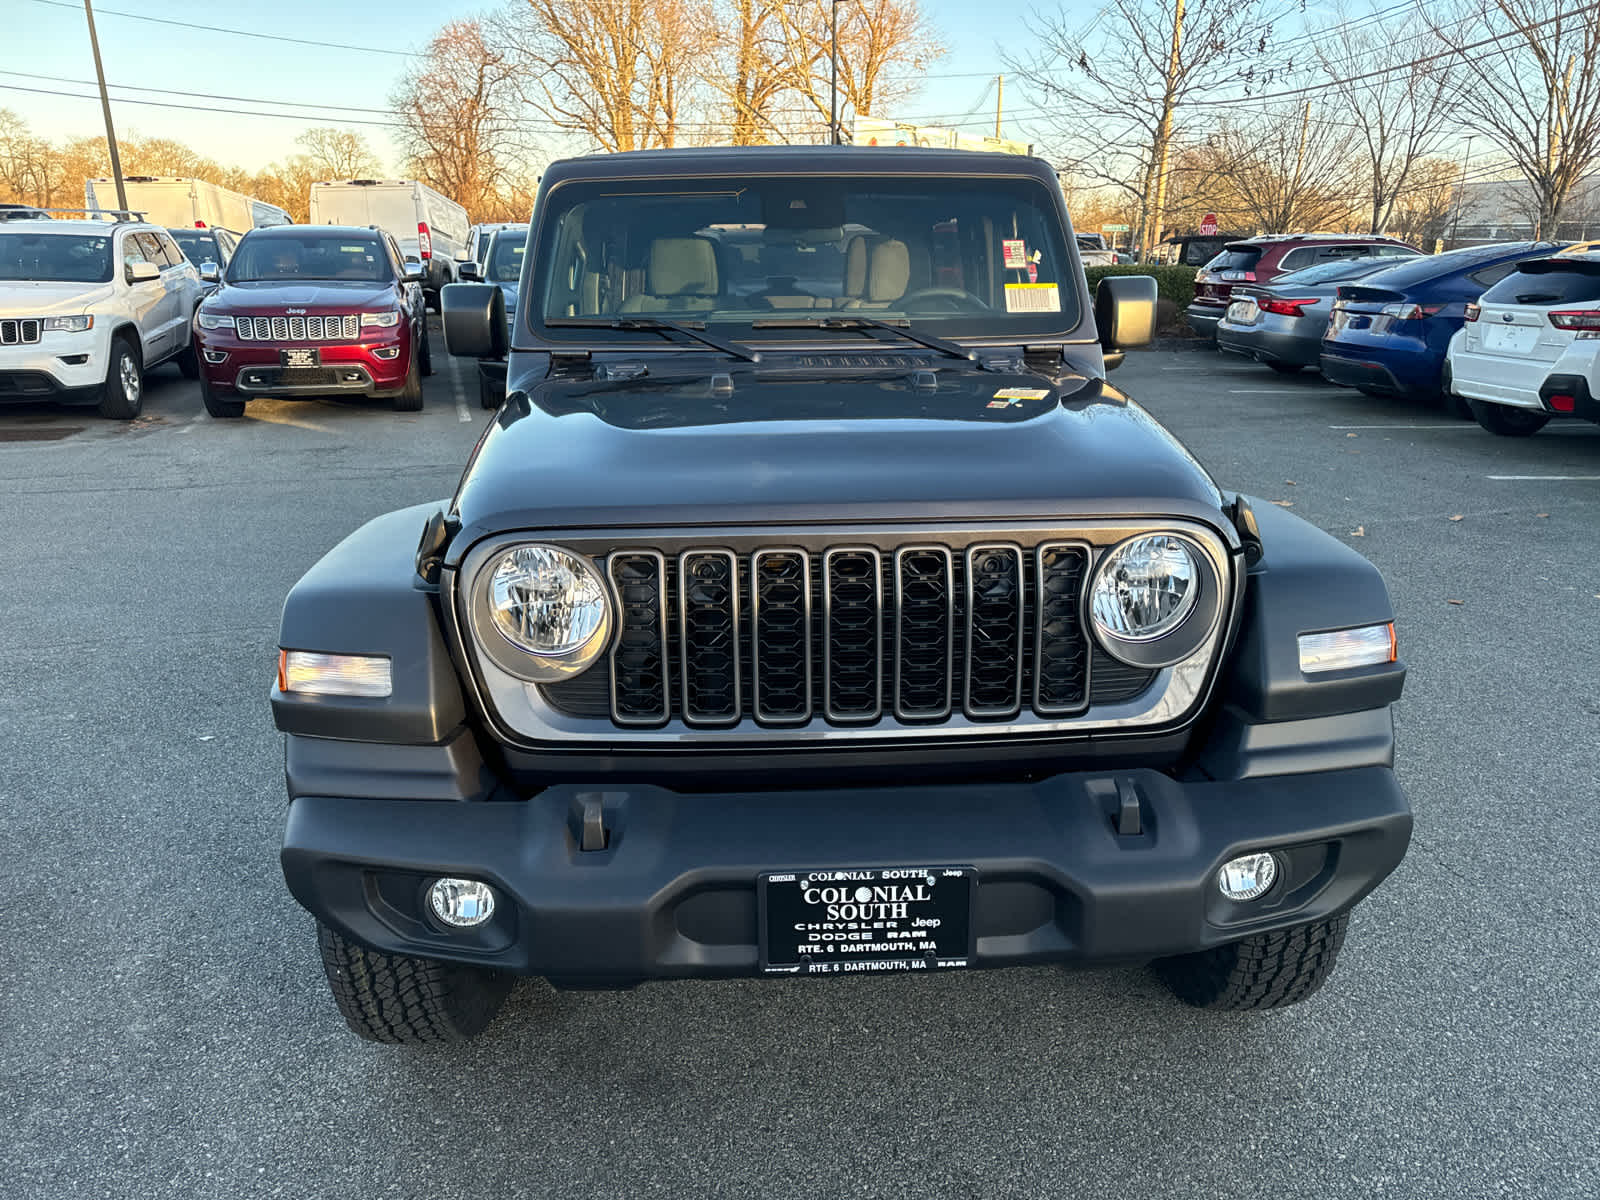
(1114, 229)
(1208, 225)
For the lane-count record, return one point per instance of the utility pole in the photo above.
(999, 104)
(833, 91)
(1461, 193)
(1156, 205)
(105, 107)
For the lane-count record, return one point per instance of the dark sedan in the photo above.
(1281, 323)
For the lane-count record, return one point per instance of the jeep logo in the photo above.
(295, 312)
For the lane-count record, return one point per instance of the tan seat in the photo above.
(888, 272)
(681, 277)
(855, 270)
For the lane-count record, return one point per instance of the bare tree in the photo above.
(884, 45)
(748, 67)
(1123, 84)
(339, 153)
(621, 73)
(1431, 202)
(459, 111)
(1530, 86)
(1292, 169)
(1395, 93)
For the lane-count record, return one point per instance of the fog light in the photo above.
(461, 902)
(1248, 876)
(387, 352)
(216, 356)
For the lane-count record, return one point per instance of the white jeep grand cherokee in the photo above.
(87, 307)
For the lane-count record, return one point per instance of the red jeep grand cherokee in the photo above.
(312, 311)
(1262, 259)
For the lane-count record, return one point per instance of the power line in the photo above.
(271, 37)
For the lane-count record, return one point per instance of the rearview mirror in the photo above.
(474, 319)
(469, 272)
(141, 272)
(1124, 314)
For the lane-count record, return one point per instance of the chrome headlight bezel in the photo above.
(213, 321)
(71, 323)
(1186, 635)
(520, 659)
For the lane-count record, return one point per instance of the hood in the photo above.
(582, 453)
(322, 295)
(43, 299)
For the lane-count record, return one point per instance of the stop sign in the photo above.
(1208, 225)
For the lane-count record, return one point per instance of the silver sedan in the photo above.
(1281, 323)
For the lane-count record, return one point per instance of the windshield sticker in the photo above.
(1016, 393)
(1032, 298)
(998, 404)
(1016, 253)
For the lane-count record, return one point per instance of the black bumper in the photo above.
(1204, 318)
(22, 387)
(673, 894)
(1585, 406)
(1359, 373)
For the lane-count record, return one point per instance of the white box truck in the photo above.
(429, 227)
(180, 203)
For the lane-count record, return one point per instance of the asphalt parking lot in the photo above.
(167, 1030)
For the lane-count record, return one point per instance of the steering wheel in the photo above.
(959, 299)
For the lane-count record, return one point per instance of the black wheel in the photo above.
(1267, 970)
(392, 998)
(219, 406)
(1454, 404)
(1283, 368)
(491, 392)
(410, 399)
(425, 348)
(1506, 421)
(123, 394)
(189, 361)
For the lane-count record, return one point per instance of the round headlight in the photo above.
(551, 604)
(1145, 588)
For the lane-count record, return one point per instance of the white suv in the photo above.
(87, 307)
(1530, 349)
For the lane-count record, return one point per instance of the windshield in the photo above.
(312, 255)
(958, 255)
(1350, 268)
(505, 257)
(55, 257)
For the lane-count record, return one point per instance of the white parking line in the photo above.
(462, 411)
(1544, 477)
(1305, 391)
(1456, 428)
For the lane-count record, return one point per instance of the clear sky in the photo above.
(50, 39)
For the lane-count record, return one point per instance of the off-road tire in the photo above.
(395, 999)
(409, 399)
(114, 400)
(189, 360)
(1283, 368)
(219, 406)
(1506, 421)
(1267, 970)
(425, 349)
(490, 396)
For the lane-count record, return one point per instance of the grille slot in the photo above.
(924, 632)
(19, 332)
(780, 619)
(852, 618)
(708, 617)
(640, 689)
(1060, 646)
(995, 615)
(334, 328)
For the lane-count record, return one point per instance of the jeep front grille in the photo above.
(346, 328)
(850, 634)
(23, 332)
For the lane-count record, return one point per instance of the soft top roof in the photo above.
(781, 160)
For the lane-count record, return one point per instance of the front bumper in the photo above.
(673, 894)
(59, 366)
(256, 368)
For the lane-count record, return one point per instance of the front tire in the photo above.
(219, 406)
(122, 396)
(1505, 421)
(189, 360)
(425, 349)
(490, 394)
(410, 398)
(395, 999)
(1266, 970)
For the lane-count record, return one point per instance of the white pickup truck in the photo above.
(87, 307)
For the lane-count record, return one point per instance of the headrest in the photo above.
(888, 271)
(855, 267)
(682, 267)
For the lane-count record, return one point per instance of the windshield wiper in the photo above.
(903, 328)
(657, 325)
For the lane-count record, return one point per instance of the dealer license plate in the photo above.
(300, 358)
(844, 921)
(1510, 339)
(1243, 312)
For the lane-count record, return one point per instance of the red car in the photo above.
(312, 311)
(1262, 259)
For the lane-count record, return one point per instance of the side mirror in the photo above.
(411, 276)
(1124, 314)
(474, 319)
(141, 272)
(469, 272)
(209, 272)
(463, 256)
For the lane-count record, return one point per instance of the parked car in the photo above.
(22, 212)
(1281, 323)
(1094, 252)
(1263, 259)
(202, 246)
(1389, 332)
(477, 247)
(430, 227)
(1192, 249)
(776, 638)
(1530, 347)
(312, 311)
(503, 254)
(88, 308)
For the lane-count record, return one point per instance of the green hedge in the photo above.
(1172, 283)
